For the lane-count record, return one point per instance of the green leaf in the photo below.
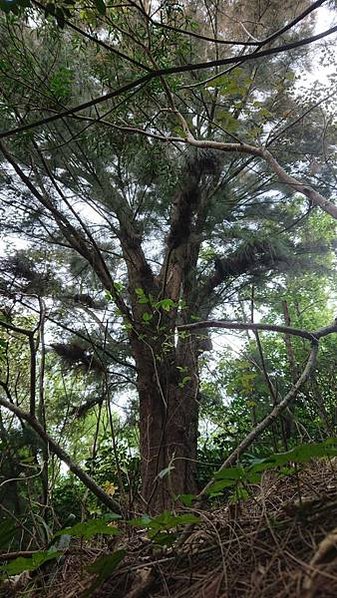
(147, 316)
(167, 520)
(100, 5)
(253, 477)
(230, 473)
(163, 538)
(118, 286)
(111, 517)
(165, 304)
(299, 454)
(184, 381)
(239, 494)
(29, 564)
(226, 478)
(221, 485)
(103, 567)
(229, 477)
(186, 499)
(88, 529)
(140, 521)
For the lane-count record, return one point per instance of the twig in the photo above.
(164, 72)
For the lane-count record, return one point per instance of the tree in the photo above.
(168, 202)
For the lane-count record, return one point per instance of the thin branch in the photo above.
(22, 478)
(77, 241)
(165, 72)
(85, 338)
(99, 42)
(30, 335)
(314, 196)
(32, 390)
(228, 325)
(270, 418)
(55, 448)
(272, 390)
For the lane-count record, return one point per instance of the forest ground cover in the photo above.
(281, 542)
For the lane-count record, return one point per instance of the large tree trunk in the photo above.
(168, 394)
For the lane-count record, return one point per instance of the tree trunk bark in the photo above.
(168, 393)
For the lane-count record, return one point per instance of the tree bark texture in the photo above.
(168, 388)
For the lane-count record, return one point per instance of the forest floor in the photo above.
(281, 543)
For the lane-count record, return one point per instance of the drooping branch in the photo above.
(227, 42)
(98, 41)
(96, 345)
(77, 241)
(32, 349)
(255, 152)
(254, 257)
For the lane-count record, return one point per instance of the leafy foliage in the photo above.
(233, 476)
(27, 564)
(89, 529)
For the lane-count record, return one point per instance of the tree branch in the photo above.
(255, 257)
(107, 500)
(270, 418)
(228, 325)
(314, 196)
(98, 41)
(77, 241)
(32, 350)
(164, 72)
